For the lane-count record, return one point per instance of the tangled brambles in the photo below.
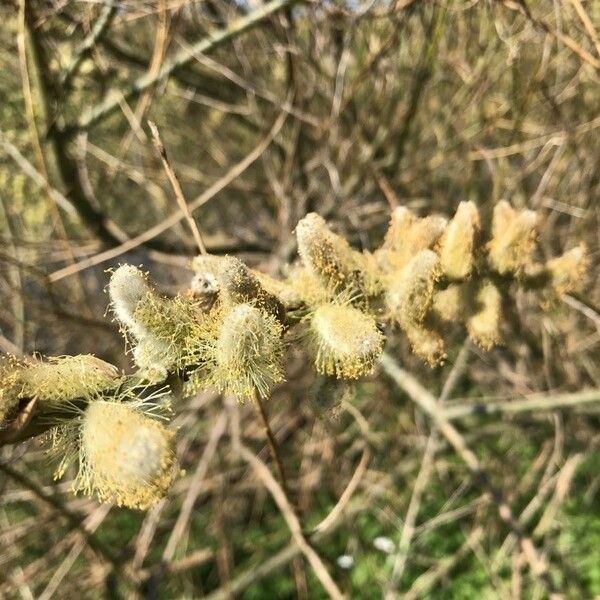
(227, 332)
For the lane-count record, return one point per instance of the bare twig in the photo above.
(160, 148)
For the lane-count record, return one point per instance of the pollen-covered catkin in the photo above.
(426, 343)
(410, 292)
(406, 236)
(511, 248)
(328, 257)
(347, 342)
(239, 285)
(483, 324)
(451, 303)
(126, 457)
(243, 351)
(568, 272)
(458, 244)
(9, 387)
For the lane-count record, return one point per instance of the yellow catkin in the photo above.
(511, 248)
(410, 292)
(126, 457)
(347, 341)
(406, 236)
(10, 368)
(239, 285)
(451, 304)
(483, 324)
(280, 288)
(243, 351)
(426, 343)
(66, 377)
(457, 246)
(568, 272)
(328, 257)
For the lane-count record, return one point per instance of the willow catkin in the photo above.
(458, 244)
(242, 351)
(347, 341)
(426, 343)
(451, 304)
(568, 272)
(239, 285)
(483, 325)
(126, 457)
(128, 285)
(328, 257)
(406, 236)
(163, 328)
(10, 388)
(511, 248)
(410, 291)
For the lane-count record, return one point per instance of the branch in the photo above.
(213, 41)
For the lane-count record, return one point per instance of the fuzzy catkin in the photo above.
(347, 341)
(511, 248)
(483, 324)
(242, 351)
(457, 246)
(410, 292)
(126, 457)
(328, 257)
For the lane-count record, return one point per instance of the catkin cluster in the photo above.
(229, 331)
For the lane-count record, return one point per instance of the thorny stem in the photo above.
(260, 407)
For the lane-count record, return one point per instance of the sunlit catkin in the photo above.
(127, 287)
(410, 292)
(126, 457)
(239, 285)
(10, 368)
(406, 236)
(457, 246)
(328, 257)
(244, 353)
(451, 303)
(483, 324)
(66, 377)
(347, 341)
(426, 343)
(512, 245)
(568, 272)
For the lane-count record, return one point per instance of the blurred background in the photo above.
(268, 111)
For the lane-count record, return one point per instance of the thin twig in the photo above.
(160, 148)
(293, 523)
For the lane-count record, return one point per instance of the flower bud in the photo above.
(484, 324)
(410, 292)
(126, 457)
(512, 245)
(347, 341)
(458, 242)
